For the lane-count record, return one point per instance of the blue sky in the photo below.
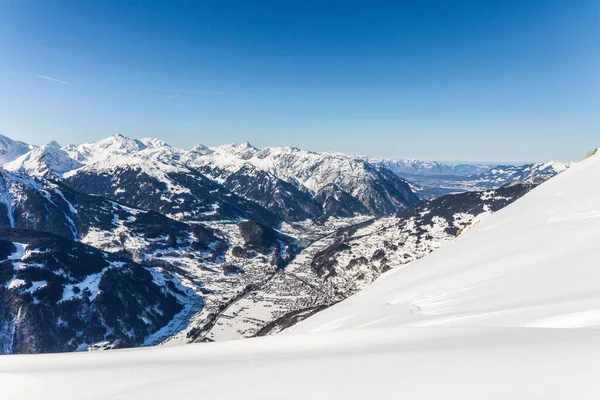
(448, 80)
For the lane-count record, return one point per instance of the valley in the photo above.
(242, 241)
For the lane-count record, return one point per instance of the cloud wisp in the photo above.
(51, 79)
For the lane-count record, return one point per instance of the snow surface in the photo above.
(424, 363)
(471, 321)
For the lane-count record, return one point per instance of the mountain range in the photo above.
(132, 242)
(508, 307)
(432, 179)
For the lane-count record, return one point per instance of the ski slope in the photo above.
(475, 320)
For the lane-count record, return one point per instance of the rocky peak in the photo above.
(202, 150)
(54, 144)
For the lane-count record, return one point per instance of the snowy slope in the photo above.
(531, 264)
(425, 363)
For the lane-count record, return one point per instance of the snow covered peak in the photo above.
(201, 149)
(554, 166)
(503, 174)
(242, 151)
(119, 142)
(11, 149)
(103, 148)
(120, 150)
(311, 172)
(53, 144)
(307, 168)
(246, 145)
(154, 142)
(48, 161)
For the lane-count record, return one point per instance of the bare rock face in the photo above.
(257, 235)
(265, 240)
(591, 153)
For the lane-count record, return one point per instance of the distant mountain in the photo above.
(431, 179)
(11, 149)
(505, 174)
(429, 185)
(421, 167)
(147, 174)
(284, 199)
(292, 184)
(48, 161)
(369, 189)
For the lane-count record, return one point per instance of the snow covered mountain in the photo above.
(209, 264)
(11, 149)
(340, 185)
(48, 161)
(147, 174)
(60, 295)
(432, 185)
(503, 175)
(421, 167)
(292, 184)
(487, 300)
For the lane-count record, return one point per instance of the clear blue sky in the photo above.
(450, 80)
